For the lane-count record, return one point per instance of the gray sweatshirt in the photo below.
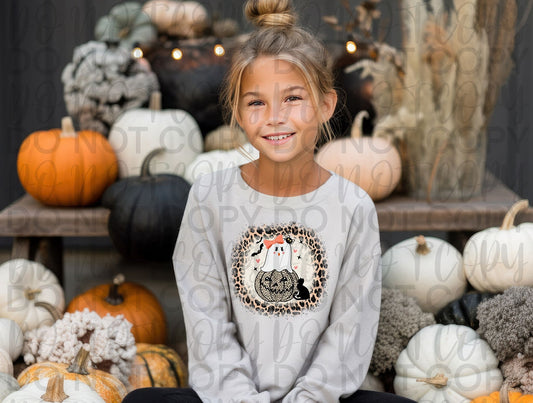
(280, 295)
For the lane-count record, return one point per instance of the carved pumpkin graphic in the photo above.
(276, 285)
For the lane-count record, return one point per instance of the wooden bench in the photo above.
(38, 230)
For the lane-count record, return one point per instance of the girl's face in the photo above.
(277, 113)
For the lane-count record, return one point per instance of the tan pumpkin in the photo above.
(106, 385)
(157, 365)
(62, 167)
(187, 19)
(138, 305)
(372, 163)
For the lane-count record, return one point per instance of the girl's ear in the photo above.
(329, 102)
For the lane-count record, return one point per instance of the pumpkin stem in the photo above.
(67, 127)
(439, 380)
(155, 101)
(55, 391)
(79, 364)
(508, 220)
(114, 297)
(145, 167)
(504, 393)
(30, 294)
(422, 247)
(357, 126)
(52, 310)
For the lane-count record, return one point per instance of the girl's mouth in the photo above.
(279, 138)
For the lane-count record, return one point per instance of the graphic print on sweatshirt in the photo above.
(279, 269)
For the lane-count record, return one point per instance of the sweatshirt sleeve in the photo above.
(344, 351)
(219, 368)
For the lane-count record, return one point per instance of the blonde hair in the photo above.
(278, 35)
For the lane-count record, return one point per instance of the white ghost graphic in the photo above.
(278, 255)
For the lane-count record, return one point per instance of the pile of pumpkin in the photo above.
(109, 339)
(475, 343)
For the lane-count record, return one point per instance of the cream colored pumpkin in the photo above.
(446, 364)
(217, 160)
(373, 163)
(180, 18)
(498, 258)
(6, 363)
(26, 288)
(428, 269)
(11, 338)
(55, 390)
(137, 132)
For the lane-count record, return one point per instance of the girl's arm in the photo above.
(343, 354)
(219, 368)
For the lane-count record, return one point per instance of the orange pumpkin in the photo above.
(494, 397)
(157, 365)
(106, 385)
(138, 305)
(62, 167)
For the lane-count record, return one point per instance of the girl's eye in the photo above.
(255, 103)
(292, 98)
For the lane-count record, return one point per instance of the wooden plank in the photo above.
(28, 217)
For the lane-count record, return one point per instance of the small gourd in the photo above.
(157, 365)
(56, 389)
(499, 258)
(446, 364)
(126, 24)
(428, 269)
(107, 386)
(373, 163)
(30, 294)
(62, 167)
(126, 298)
(139, 131)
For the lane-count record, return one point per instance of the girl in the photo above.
(276, 261)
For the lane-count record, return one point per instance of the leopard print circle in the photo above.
(288, 284)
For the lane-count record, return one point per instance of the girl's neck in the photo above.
(284, 179)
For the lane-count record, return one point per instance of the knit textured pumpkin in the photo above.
(106, 385)
(157, 365)
(62, 167)
(135, 302)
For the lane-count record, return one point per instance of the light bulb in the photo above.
(137, 53)
(351, 47)
(219, 50)
(177, 54)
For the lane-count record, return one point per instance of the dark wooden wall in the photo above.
(38, 38)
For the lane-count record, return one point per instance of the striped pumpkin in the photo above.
(157, 365)
(106, 385)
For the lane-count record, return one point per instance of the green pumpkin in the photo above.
(462, 311)
(146, 213)
(126, 24)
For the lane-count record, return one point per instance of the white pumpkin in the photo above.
(217, 160)
(137, 132)
(498, 258)
(8, 385)
(446, 364)
(6, 363)
(428, 269)
(372, 163)
(26, 288)
(11, 338)
(177, 18)
(55, 389)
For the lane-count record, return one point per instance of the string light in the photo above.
(219, 50)
(177, 54)
(137, 53)
(351, 47)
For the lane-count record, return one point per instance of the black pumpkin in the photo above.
(276, 285)
(192, 83)
(146, 213)
(462, 311)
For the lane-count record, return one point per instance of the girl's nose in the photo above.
(275, 116)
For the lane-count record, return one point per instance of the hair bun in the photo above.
(270, 13)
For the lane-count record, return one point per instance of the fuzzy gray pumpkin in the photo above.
(102, 81)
